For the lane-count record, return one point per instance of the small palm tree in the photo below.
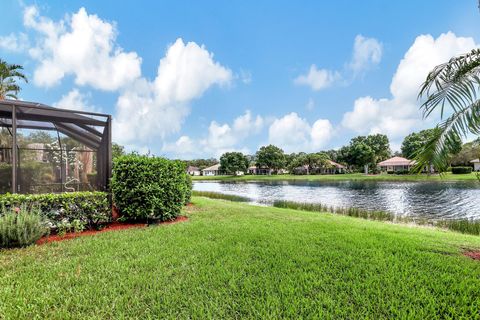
(9, 74)
(453, 85)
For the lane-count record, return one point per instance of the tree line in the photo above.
(361, 154)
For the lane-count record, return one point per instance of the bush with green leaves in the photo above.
(20, 227)
(149, 188)
(90, 209)
(461, 170)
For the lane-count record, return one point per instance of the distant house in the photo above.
(212, 171)
(396, 164)
(260, 171)
(193, 171)
(476, 164)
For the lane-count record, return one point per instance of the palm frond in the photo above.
(439, 148)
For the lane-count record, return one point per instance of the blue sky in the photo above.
(239, 74)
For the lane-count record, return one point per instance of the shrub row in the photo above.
(89, 210)
(461, 170)
(149, 188)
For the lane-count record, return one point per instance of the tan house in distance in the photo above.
(396, 164)
(476, 164)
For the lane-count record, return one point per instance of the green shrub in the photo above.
(461, 170)
(91, 209)
(20, 227)
(189, 188)
(149, 188)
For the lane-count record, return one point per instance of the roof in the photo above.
(475, 161)
(213, 168)
(192, 168)
(397, 161)
(338, 165)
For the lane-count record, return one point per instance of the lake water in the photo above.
(432, 200)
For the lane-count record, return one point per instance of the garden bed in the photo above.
(111, 227)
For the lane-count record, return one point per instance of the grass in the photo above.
(233, 260)
(462, 226)
(345, 177)
(218, 195)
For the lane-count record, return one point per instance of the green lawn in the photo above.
(233, 260)
(343, 177)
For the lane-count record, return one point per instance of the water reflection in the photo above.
(449, 200)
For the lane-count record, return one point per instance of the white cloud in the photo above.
(399, 115)
(151, 110)
(366, 53)
(221, 138)
(74, 100)
(14, 43)
(295, 134)
(318, 79)
(81, 45)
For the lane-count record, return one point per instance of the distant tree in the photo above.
(232, 162)
(117, 150)
(271, 157)
(365, 151)
(470, 151)
(362, 155)
(415, 143)
(9, 75)
(310, 161)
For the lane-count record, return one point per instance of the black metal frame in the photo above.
(94, 130)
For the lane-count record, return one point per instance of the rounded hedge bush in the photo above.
(149, 188)
(461, 170)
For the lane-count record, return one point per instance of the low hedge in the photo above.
(149, 188)
(461, 170)
(90, 209)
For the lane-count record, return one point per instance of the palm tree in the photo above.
(451, 87)
(9, 74)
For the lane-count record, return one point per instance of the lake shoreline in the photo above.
(344, 177)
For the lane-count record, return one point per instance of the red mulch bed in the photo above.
(111, 227)
(475, 255)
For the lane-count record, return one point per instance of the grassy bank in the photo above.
(345, 177)
(233, 260)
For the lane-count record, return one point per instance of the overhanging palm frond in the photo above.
(439, 148)
(455, 85)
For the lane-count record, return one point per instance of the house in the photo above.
(193, 171)
(260, 171)
(212, 171)
(334, 168)
(396, 164)
(476, 164)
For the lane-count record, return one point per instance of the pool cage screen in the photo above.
(45, 149)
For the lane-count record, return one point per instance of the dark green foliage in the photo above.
(92, 209)
(232, 162)
(21, 227)
(461, 170)
(365, 151)
(414, 143)
(217, 195)
(149, 188)
(9, 76)
(470, 151)
(270, 157)
(117, 150)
